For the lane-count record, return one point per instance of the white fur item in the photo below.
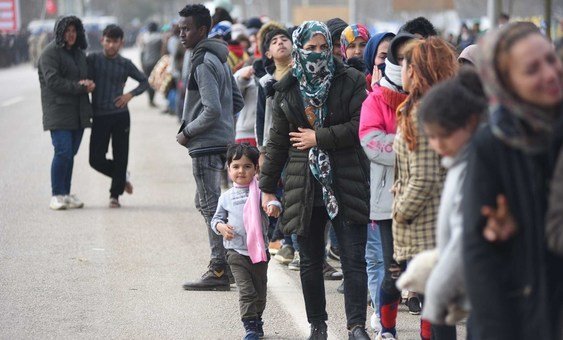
(418, 271)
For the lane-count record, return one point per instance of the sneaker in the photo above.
(73, 202)
(58, 203)
(285, 254)
(375, 323)
(274, 247)
(340, 288)
(128, 186)
(214, 279)
(251, 328)
(334, 253)
(413, 303)
(318, 331)
(358, 332)
(385, 336)
(329, 273)
(114, 203)
(296, 263)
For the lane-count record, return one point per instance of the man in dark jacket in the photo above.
(66, 108)
(212, 99)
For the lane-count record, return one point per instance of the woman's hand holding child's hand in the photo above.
(273, 211)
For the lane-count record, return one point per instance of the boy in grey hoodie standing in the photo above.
(212, 99)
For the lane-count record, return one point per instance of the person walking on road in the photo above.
(244, 227)
(109, 70)
(212, 99)
(151, 51)
(66, 107)
(315, 138)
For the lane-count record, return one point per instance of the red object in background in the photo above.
(10, 15)
(51, 7)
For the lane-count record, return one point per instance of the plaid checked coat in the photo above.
(419, 179)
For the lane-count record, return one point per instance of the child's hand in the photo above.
(273, 211)
(266, 198)
(226, 230)
(500, 226)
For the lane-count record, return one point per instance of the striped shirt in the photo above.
(110, 76)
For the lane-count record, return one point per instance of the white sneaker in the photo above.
(375, 323)
(58, 203)
(385, 336)
(73, 202)
(296, 263)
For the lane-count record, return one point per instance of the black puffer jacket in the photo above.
(339, 137)
(65, 103)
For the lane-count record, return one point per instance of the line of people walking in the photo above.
(421, 169)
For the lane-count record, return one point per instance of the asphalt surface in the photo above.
(98, 273)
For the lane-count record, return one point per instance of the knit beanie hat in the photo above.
(335, 27)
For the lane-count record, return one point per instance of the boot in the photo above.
(214, 279)
(250, 326)
(358, 332)
(318, 331)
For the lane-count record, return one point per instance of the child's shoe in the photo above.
(260, 327)
(250, 326)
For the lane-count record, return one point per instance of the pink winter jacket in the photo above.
(377, 132)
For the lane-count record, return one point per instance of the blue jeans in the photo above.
(352, 238)
(66, 144)
(374, 261)
(207, 173)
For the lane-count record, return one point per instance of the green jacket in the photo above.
(65, 103)
(339, 137)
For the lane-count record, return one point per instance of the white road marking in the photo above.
(12, 101)
(290, 297)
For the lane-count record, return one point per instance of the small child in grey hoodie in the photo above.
(244, 226)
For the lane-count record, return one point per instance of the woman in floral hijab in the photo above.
(314, 137)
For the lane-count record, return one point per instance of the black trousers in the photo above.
(147, 69)
(352, 238)
(115, 127)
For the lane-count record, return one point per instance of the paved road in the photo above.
(101, 273)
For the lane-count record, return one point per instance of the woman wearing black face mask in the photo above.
(375, 55)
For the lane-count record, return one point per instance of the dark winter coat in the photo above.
(65, 103)
(339, 137)
(507, 283)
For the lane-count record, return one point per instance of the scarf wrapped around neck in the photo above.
(314, 72)
(515, 122)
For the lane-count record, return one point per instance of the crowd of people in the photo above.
(419, 167)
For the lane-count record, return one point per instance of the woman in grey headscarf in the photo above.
(513, 282)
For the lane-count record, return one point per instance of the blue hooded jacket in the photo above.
(371, 49)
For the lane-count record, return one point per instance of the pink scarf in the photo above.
(252, 218)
